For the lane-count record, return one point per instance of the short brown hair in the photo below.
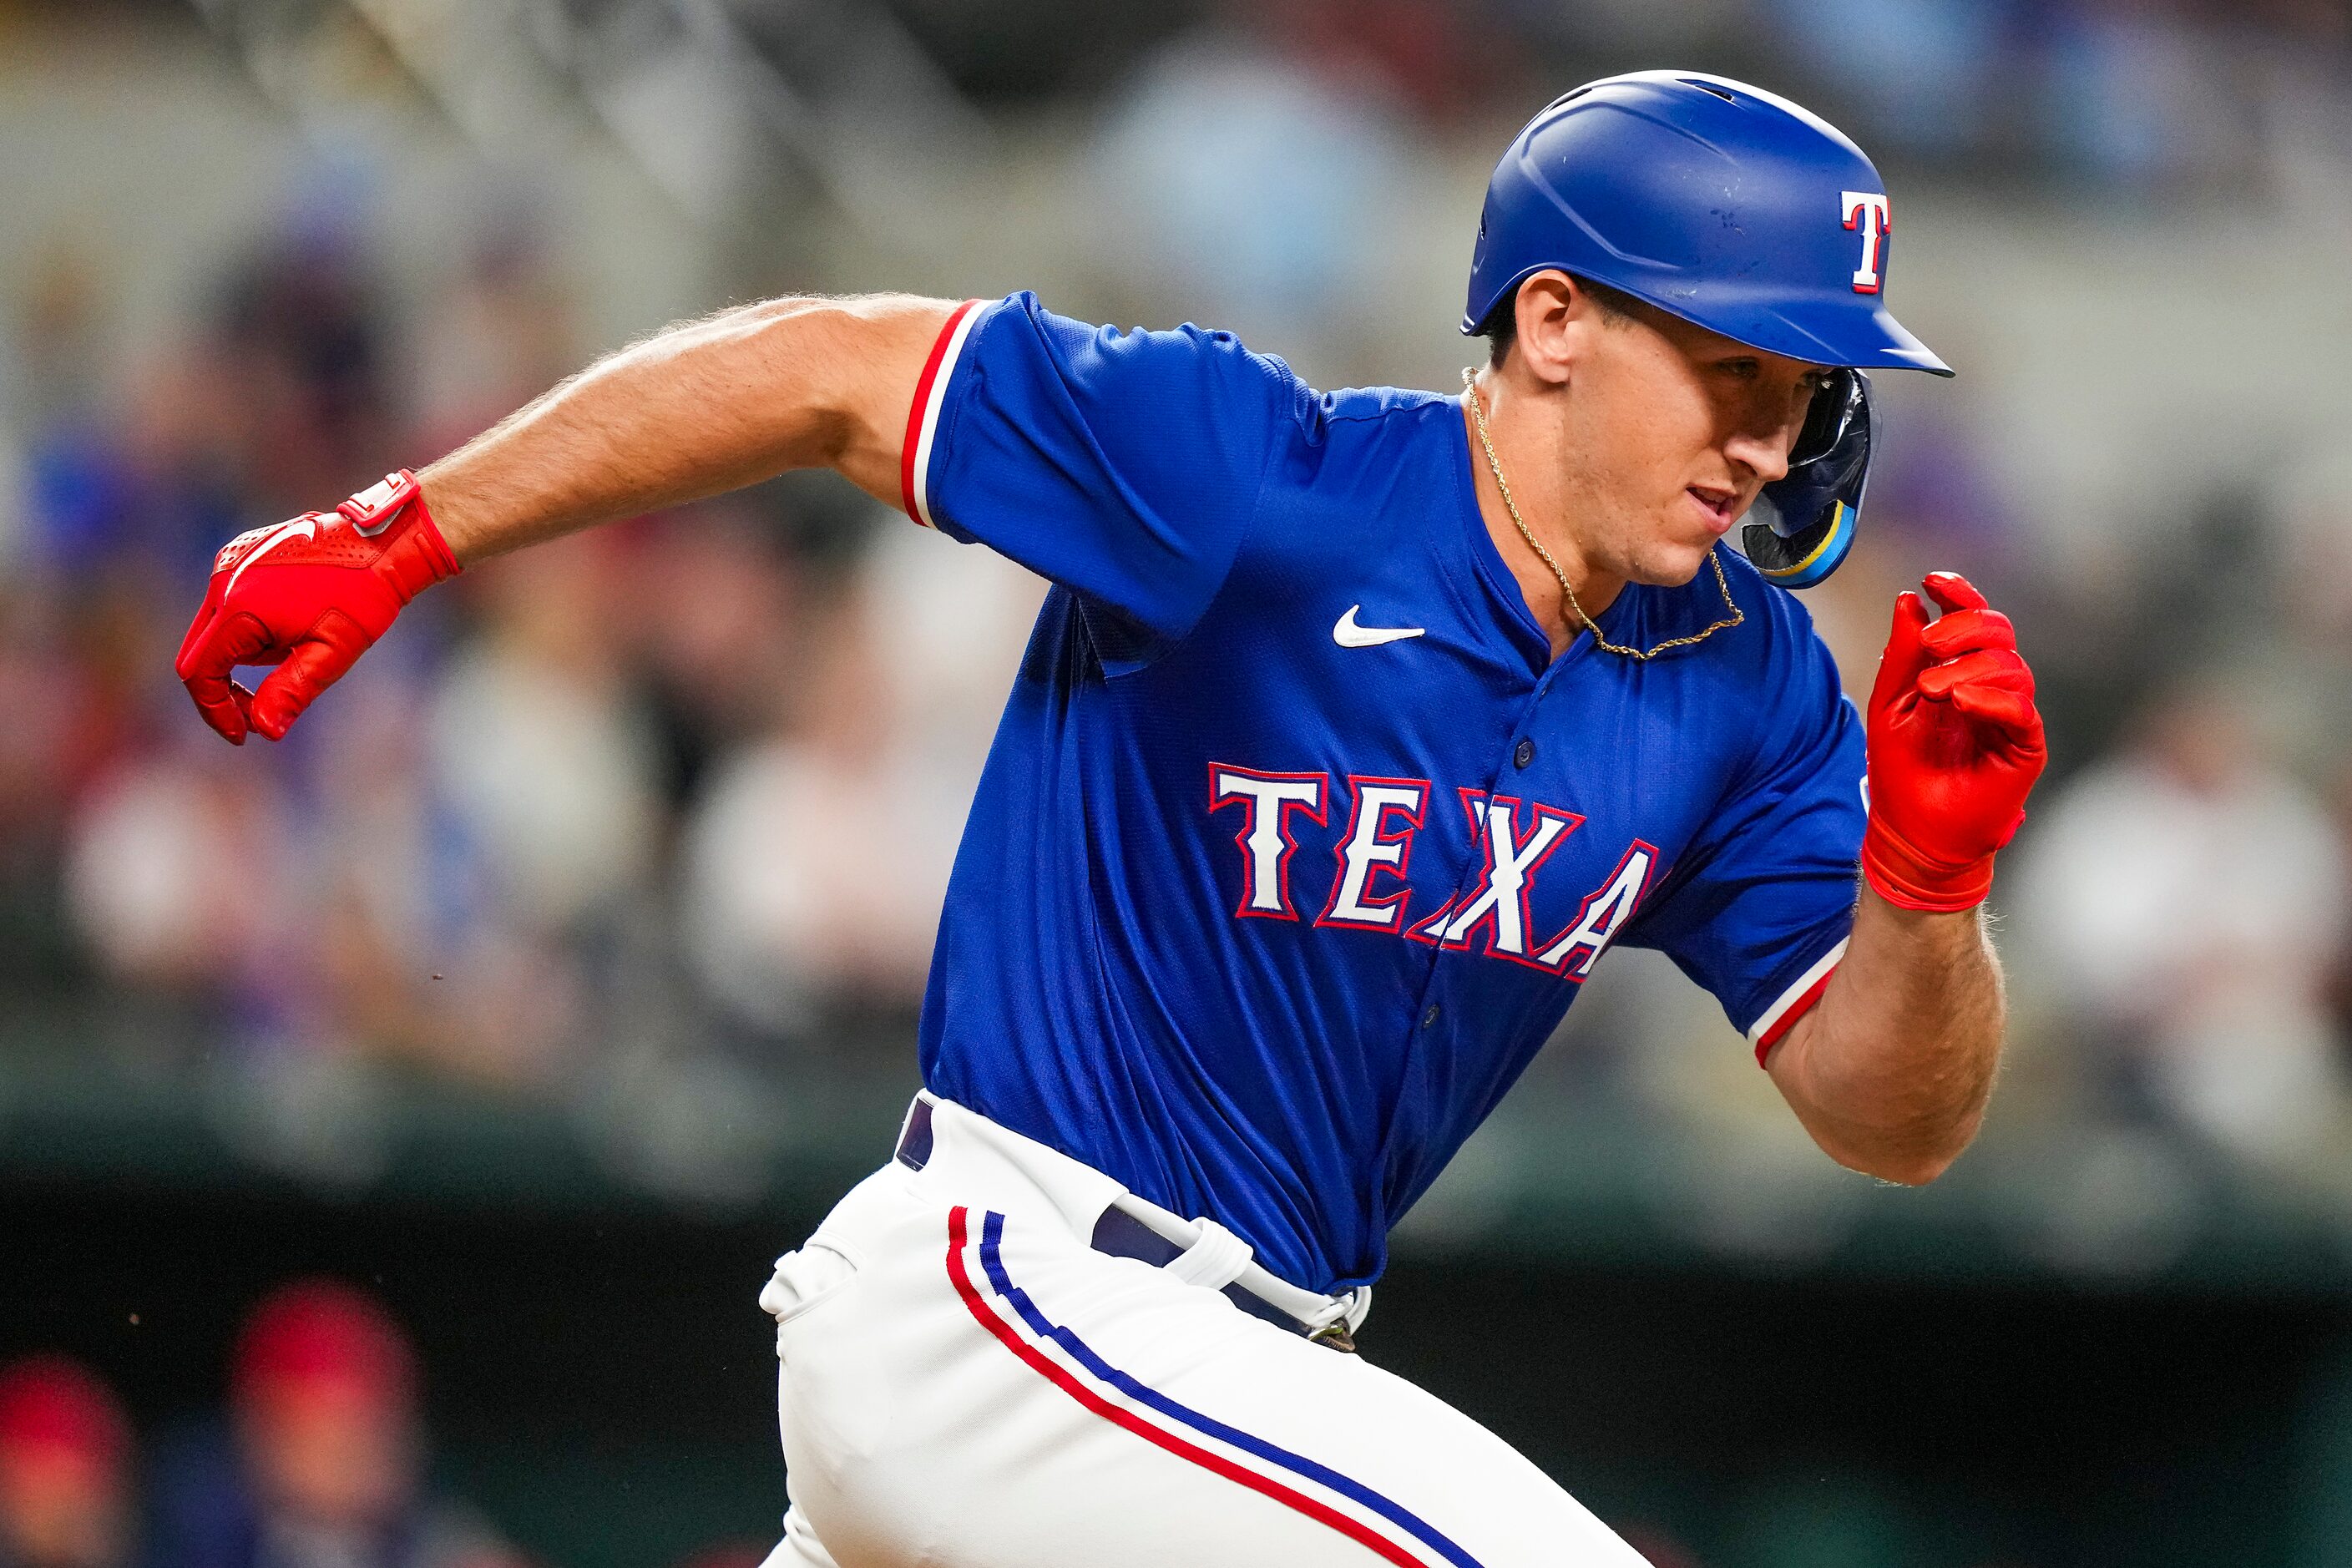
(1502, 326)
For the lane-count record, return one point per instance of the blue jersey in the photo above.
(1295, 843)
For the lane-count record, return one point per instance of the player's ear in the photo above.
(1550, 310)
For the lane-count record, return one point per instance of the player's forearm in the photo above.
(695, 411)
(1891, 1070)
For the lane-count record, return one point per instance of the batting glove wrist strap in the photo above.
(308, 596)
(1910, 879)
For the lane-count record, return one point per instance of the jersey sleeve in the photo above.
(1759, 909)
(1125, 466)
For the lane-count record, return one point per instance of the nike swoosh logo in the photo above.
(306, 526)
(1347, 634)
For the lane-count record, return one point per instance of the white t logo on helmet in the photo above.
(1866, 210)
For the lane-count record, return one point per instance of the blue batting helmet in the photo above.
(1736, 209)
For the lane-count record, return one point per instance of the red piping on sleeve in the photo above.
(1797, 1009)
(923, 389)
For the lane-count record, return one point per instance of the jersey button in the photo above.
(1525, 753)
(1429, 1019)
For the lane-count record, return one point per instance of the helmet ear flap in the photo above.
(1802, 526)
(1826, 417)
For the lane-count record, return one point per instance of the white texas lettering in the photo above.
(1501, 897)
(1370, 884)
(1372, 848)
(1598, 921)
(1265, 841)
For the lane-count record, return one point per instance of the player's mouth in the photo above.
(1721, 507)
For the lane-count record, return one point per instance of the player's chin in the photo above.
(1669, 564)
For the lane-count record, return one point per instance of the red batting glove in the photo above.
(1954, 745)
(310, 596)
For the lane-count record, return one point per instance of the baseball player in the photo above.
(1357, 726)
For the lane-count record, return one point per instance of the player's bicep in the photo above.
(862, 361)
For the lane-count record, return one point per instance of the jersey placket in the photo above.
(1432, 1001)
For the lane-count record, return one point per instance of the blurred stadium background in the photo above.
(399, 1122)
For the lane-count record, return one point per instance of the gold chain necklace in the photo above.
(1495, 465)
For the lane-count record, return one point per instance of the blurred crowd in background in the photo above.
(318, 1457)
(706, 767)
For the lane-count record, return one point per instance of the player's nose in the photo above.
(1764, 453)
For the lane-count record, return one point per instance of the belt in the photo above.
(1131, 1228)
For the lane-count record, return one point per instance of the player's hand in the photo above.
(1955, 746)
(308, 596)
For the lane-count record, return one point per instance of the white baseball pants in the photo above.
(967, 1383)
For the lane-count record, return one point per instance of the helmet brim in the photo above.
(1864, 338)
